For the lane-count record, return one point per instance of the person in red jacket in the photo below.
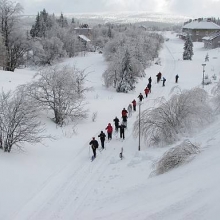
(124, 115)
(109, 129)
(147, 90)
(134, 103)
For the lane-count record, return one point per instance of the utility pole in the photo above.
(139, 145)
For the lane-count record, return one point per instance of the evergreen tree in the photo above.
(207, 57)
(62, 21)
(188, 48)
(42, 24)
(109, 32)
(127, 77)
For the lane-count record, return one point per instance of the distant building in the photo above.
(142, 27)
(86, 43)
(212, 41)
(83, 31)
(198, 29)
(85, 40)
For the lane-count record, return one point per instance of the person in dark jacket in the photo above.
(164, 80)
(140, 97)
(122, 131)
(94, 145)
(102, 139)
(149, 87)
(109, 131)
(176, 78)
(159, 75)
(150, 80)
(116, 121)
(134, 103)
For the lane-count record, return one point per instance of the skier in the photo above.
(94, 145)
(176, 78)
(122, 131)
(164, 80)
(146, 91)
(109, 131)
(140, 97)
(150, 80)
(149, 87)
(116, 121)
(134, 104)
(102, 139)
(129, 110)
(124, 113)
(159, 75)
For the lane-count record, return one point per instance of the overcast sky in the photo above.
(191, 8)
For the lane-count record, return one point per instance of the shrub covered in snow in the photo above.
(175, 157)
(60, 89)
(216, 97)
(180, 115)
(19, 121)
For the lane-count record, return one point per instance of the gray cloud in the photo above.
(194, 8)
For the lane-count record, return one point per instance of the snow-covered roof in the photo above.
(206, 25)
(184, 34)
(79, 28)
(211, 37)
(83, 37)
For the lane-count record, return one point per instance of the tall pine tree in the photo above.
(127, 79)
(188, 48)
(42, 24)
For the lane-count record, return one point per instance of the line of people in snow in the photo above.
(125, 114)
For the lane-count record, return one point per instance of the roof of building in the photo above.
(205, 25)
(211, 37)
(82, 28)
(83, 37)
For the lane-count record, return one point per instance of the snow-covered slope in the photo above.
(58, 180)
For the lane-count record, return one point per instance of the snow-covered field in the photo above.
(58, 181)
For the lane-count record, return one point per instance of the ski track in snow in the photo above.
(68, 188)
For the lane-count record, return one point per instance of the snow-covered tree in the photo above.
(62, 90)
(180, 115)
(129, 53)
(62, 21)
(47, 50)
(123, 71)
(188, 48)
(13, 39)
(175, 157)
(207, 57)
(18, 120)
(216, 97)
(43, 23)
